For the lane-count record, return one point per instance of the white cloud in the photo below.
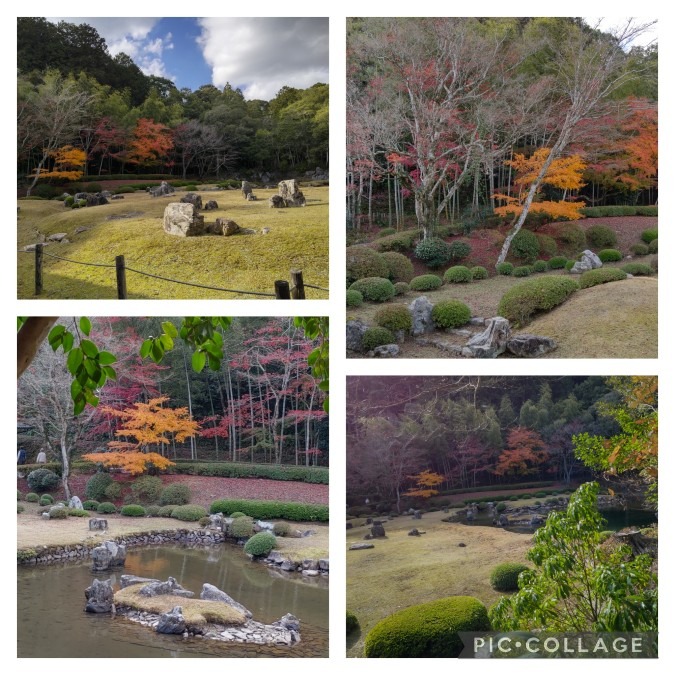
(262, 55)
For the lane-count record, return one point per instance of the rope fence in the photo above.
(283, 290)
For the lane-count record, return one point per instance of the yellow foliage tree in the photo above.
(68, 163)
(426, 483)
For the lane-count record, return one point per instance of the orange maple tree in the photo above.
(68, 163)
(426, 483)
(149, 424)
(524, 454)
(151, 143)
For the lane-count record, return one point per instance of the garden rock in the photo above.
(161, 191)
(324, 564)
(211, 205)
(377, 530)
(172, 623)
(96, 199)
(360, 547)
(99, 597)
(289, 622)
(246, 189)
(216, 522)
(355, 331)
(589, 261)
(420, 309)
(276, 202)
(168, 587)
(98, 524)
(108, 555)
(224, 227)
(414, 532)
(503, 520)
(58, 236)
(214, 594)
(291, 194)
(385, 351)
(251, 197)
(75, 503)
(132, 580)
(527, 345)
(491, 342)
(192, 198)
(417, 515)
(183, 220)
(117, 197)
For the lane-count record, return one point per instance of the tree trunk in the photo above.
(29, 338)
(65, 461)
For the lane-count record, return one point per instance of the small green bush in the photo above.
(602, 275)
(505, 268)
(46, 500)
(260, 544)
(639, 249)
(402, 241)
(570, 235)
(204, 521)
(282, 529)
(540, 494)
(241, 527)
(540, 266)
(547, 245)
(522, 271)
(124, 190)
(601, 236)
(386, 231)
(79, 513)
(376, 336)
(649, 235)
(458, 275)
(430, 630)
(450, 314)
(426, 282)
(478, 273)
(504, 577)
(32, 497)
(610, 255)
(19, 496)
(90, 504)
(42, 479)
(557, 262)
(152, 510)
(401, 288)
(653, 246)
(58, 513)
(352, 622)
(374, 289)
(434, 252)
(113, 491)
(524, 300)
(637, 269)
(189, 512)
(525, 246)
(459, 250)
(106, 507)
(166, 510)
(500, 507)
(363, 262)
(399, 266)
(570, 264)
(147, 489)
(513, 498)
(176, 493)
(354, 299)
(96, 485)
(237, 514)
(20, 508)
(68, 201)
(133, 510)
(394, 318)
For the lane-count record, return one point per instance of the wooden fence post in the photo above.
(282, 290)
(121, 278)
(38, 269)
(298, 292)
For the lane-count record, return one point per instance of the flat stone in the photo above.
(360, 547)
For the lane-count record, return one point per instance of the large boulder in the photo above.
(75, 503)
(183, 220)
(98, 524)
(211, 205)
(192, 198)
(420, 310)
(589, 261)
(385, 352)
(246, 189)
(377, 530)
(527, 345)
(109, 554)
(355, 331)
(95, 199)
(99, 597)
(224, 227)
(132, 580)
(161, 191)
(172, 623)
(169, 587)
(491, 342)
(214, 594)
(291, 194)
(276, 202)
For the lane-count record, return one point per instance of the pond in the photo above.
(52, 623)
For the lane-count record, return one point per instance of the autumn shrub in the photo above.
(505, 269)
(637, 269)
(272, 510)
(363, 262)
(402, 241)
(450, 314)
(147, 489)
(654, 246)
(376, 336)
(90, 504)
(354, 299)
(241, 527)
(32, 497)
(113, 491)
(152, 510)
(524, 300)
(260, 544)
(459, 250)
(394, 318)
(46, 500)
(649, 235)
(106, 507)
(189, 512)
(426, 282)
(602, 275)
(478, 273)
(282, 529)
(352, 622)
(430, 630)
(399, 266)
(557, 262)
(610, 255)
(433, 252)
(525, 246)
(176, 493)
(458, 275)
(540, 266)
(42, 479)
(401, 288)
(504, 577)
(374, 289)
(547, 245)
(639, 249)
(133, 510)
(522, 271)
(96, 485)
(601, 236)
(166, 510)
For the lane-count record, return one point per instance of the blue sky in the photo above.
(258, 55)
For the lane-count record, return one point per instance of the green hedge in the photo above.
(303, 474)
(557, 262)
(271, 509)
(364, 262)
(189, 512)
(602, 275)
(649, 235)
(504, 577)
(430, 630)
(505, 269)
(354, 299)
(637, 269)
(601, 236)
(524, 300)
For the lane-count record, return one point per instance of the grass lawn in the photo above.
(297, 239)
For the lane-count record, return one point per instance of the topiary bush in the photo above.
(426, 282)
(433, 252)
(189, 512)
(260, 544)
(176, 494)
(459, 250)
(637, 269)
(610, 255)
(458, 275)
(46, 500)
(540, 266)
(241, 527)
(96, 485)
(90, 505)
(601, 236)
(478, 273)
(352, 622)
(653, 246)
(394, 318)
(364, 262)
(557, 262)
(504, 577)
(402, 241)
(166, 510)
(649, 235)
(401, 288)
(113, 491)
(32, 497)
(376, 336)
(43, 479)
(133, 510)
(430, 630)
(639, 249)
(374, 289)
(500, 507)
(524, 300)
(354, 299)
(569, 264)
(282, 529)
(20, 508)
(602, 275)
(79, 513)
(399, 266)
(450, 314)
(505, 268)
(522, 271)
(525, 246)
(513, 498)
(152, 510)
(106, 507)
(147, 489)
(237, 514)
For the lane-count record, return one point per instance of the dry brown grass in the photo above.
(298, 549)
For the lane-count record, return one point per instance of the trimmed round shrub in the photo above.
(540, 494)
(282, 529)
(46, 500)
(364, 262)
(241, 527)
(458, 275)
(189, 512)
(133, 510)
(374, 289)
(450, 314)
(43, 479)
(354, 298)
(32, 497)
(203, 522)
(96, 485)
(557, 262)
(430, 630)
(394, 318)
(260, 544)
(653, 246)
(402, 241)
(522, 301)
(637, 269)
(58, 513)
(547, 245)
(478, 273)
(401, 288)
(376, 337)
(504, 577)
(459, 250)
(602, 275)
(352, 622)
(426, 282)
(152, 510)
(237, 514)
(434, 252)
(525, 246)
(601, 236)
(522, 271)
(505, 268)
(106, 507)
(609, 255)
(68, 201)
(166, 510)
(513, 498)
(649, 235)
(147, 489)
(113, 491)
(177, 493)
(540, 266)
(90, 504)
(399, 265)
(639, 249)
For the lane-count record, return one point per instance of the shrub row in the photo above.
(303, 474)
(364, 262)
(602, 275)
(609, 211)
(272, 509)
